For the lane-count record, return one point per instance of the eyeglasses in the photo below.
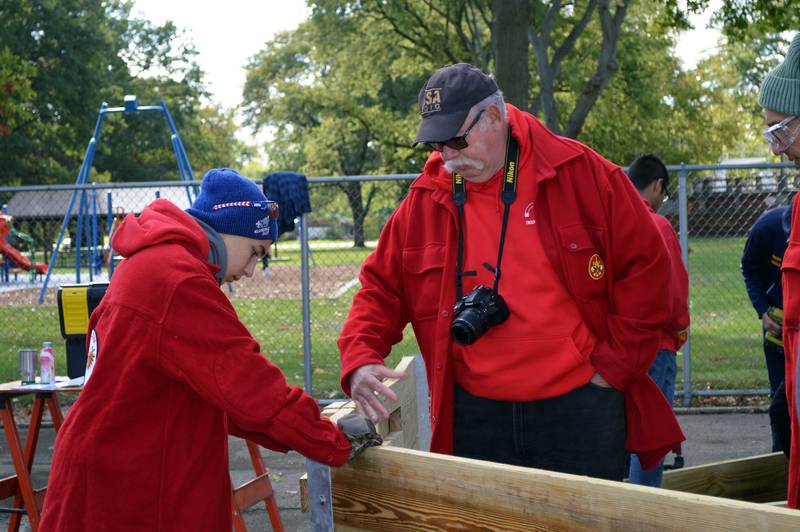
(271, 206)
(457, 143)
(780, 135)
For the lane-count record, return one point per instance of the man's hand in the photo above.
(365, 387)
(360, 433)
(598, 380)
(771, 326)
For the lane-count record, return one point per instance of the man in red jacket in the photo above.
(651, 179)
(172, 371)
(545, 365)
(779, 96)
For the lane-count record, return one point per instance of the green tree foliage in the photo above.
(65, 57)
(339, 100)
(339, 93)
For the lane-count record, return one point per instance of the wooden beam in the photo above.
(761, 478)
(304, 493)
(390, 488)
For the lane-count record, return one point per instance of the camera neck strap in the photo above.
(509, 194)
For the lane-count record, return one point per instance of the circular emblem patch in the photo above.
(596, 267)
(91, 356)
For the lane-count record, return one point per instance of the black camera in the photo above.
(475, 313)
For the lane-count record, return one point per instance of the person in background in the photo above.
(651, 179)
(761, 269)
(779, 97)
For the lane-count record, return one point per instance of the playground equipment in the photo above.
(9, 252)
(131, 105)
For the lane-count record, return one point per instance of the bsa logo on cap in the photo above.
(596, 267)
(432, 102)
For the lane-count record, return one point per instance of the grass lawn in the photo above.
(725, 342)
(726, 347)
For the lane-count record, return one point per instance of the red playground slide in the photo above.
(11, 253)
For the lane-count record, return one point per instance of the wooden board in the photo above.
(389, 488)
(761, 478)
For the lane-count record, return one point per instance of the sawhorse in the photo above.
(29, 501)
(253, 491)
(26, 499)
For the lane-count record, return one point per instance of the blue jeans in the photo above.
(664, 371)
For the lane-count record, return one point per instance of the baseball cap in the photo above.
(447, 97)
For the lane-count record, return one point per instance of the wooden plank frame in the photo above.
(762, 478)
(392, 487)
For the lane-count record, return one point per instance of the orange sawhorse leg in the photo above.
(32, 440)
(22, 461)
(260, 488)
(270, 502)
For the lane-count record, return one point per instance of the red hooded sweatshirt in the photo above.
(674, 336)
(145, 446)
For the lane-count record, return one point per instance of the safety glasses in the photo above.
(456, 143)
(271, 206)
(781, 136)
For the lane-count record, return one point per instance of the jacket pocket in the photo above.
(584, 260)
(422, 278)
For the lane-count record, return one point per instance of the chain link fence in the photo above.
(296, 307)
(713, 208)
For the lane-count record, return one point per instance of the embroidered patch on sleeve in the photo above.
(91, 356)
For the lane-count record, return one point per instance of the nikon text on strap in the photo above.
(509, 194)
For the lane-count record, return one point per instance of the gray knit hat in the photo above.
(780, 91)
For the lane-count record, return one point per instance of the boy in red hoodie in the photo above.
(650, 177)
(172, 371)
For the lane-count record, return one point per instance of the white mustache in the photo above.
(463, 162)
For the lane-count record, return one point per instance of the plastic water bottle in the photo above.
(47, 364)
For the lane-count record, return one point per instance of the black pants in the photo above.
(776, 371)
(779, 420)
(581, 432)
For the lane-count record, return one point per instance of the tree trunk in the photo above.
(358, 208)
(611, 24)
(510, 47)
(540, 34)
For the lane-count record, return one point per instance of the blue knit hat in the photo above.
(234, 205)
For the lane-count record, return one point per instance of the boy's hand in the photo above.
(361, 433)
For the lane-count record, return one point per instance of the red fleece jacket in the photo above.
(145, 446)
(674, 336)
(791, 328)
(586, 206)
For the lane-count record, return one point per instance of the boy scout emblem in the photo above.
(91, 356)
(432, 102)
(596, 267)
